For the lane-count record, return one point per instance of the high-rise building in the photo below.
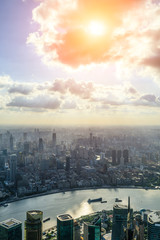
(113, 157)
(54, 139)
(11, 229)
(11, 142)
(33, 225)
(76, 230)
(119, 154)
(13, 167)
(154, 226)
(68, 163)
(41, 146)
(64, 227)
(24, 136)
(120, 216)
(91, 139)
(92, 231)
(26, 148)
(2, 161)
(126, 156)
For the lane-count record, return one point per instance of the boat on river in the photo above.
(47, 219)
(118, 200)
(94, 200)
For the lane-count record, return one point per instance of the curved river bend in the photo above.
(75, 203)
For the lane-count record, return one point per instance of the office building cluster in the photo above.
(123, 224)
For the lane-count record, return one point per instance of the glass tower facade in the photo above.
(33, 225)
(92, 231)
(120, 215)
(11, 229)
(64, 227)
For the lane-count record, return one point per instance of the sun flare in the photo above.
(96, 28)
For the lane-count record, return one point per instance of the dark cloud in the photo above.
(149, 98)
(41, 101)
(22, 89)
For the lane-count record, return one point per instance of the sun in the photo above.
(96, 28)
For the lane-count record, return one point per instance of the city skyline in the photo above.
(79, 62)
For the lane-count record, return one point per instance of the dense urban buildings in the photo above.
(39, 161)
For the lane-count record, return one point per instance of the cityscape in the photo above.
(80, 120)
(39, 161)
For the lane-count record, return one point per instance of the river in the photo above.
(75, 203)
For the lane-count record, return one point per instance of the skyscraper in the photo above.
(76, 231)
(119, 154)
(33, 225)
(113, 157)
(67, 163)
(11, 229)
(126, 156)
(13, 167)
(154, 226)
(64, 227)
(2, 161)
(54, 139)
(92, 231)
(120, 216)
(41, 146)
(11, 142)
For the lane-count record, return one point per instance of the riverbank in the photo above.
(74, 189)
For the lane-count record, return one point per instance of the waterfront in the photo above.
(75, 203)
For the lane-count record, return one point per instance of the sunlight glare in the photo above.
(96, 28)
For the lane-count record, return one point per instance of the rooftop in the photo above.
(10, 223)
(154, 217)
(64, 217)
(120, 206)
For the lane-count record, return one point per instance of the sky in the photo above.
(80, 62)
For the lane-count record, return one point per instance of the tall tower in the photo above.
(68, 163)
(54, 139)
(92, 231)
(91, 139)
(64, 227)
(113, 157)
(11, 142)
(119, 155)
(11, 229)
(13, 167)
(120, 217)
(41, 146)
(33, 225)
(126, 156)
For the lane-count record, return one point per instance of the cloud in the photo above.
(69, 105)
(132, 91)
(149, 98)
(22, 89)
(37, 102)
(62, 36)
(81, 89)
(153, 61)
(5, 81)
